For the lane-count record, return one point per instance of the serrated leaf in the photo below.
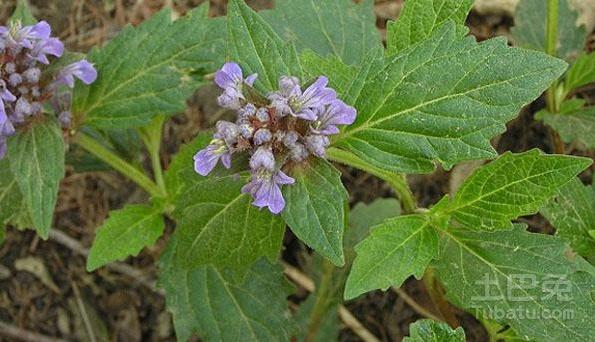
(427, 330)
(150, 70)
(575, 126)
(218, 225)
(419, 18)
(582, 72)
(529, 28)
(339, 28)
(36, 158)
(396, 249)
(315, 208)
(511, 186)
(217, 307)
(255, 45)
(22, 13)
(418, 108)
(10, 195)
(125, 233)
(526, 280)
(572, 213)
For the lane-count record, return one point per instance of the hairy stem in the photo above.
(119, 164)
(397, 181)
(151, 136)
(551, 48)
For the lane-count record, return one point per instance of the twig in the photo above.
(119, 267)
(16, 333)
(413, 304)
(347, 317)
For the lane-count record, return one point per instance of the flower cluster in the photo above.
(25, 85)
(287, 126)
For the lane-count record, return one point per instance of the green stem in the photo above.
(551, 47)
(119, 164)
(151, 136)
(397, 181)
(322, 299)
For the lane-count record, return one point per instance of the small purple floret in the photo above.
(265, 189)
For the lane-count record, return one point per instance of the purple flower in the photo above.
(291, 100)
(317, 144)
(51, 46)
(262, 136)
(5, 95)
(206, 159)
(263, 158)
(231, 79)
(228, 132)
(265, 189)
(336, 113)
(39, 31)
(83, 70)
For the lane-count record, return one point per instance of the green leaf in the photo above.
(36, 158)
(420, 18)
(217, 307)
(338, 28)
(418, 108)
(181, 161)
(526, 280)
(582, 72)
(255, 45)
(575, 126)
(363, 217)
(218, 225)
(150, 69)
(22, 13)
(126, 232)
(395, 250)
(529, 29)
(572, 213)
(11, 199)
(511, 186)
(315, 208)
(427, 330)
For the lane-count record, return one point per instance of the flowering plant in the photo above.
(307, 92)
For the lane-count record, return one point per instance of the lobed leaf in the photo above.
(427, 330)
(420, 18)
(572, 213)
(36, 158)
(529, 28)
(419, 107)
(217, 306)
(150, 70)
(338, 28)
(394, 250)
(528, 281)
(511, 186)
(126, 232)
(315, 208)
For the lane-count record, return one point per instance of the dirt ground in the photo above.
(44, 288)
